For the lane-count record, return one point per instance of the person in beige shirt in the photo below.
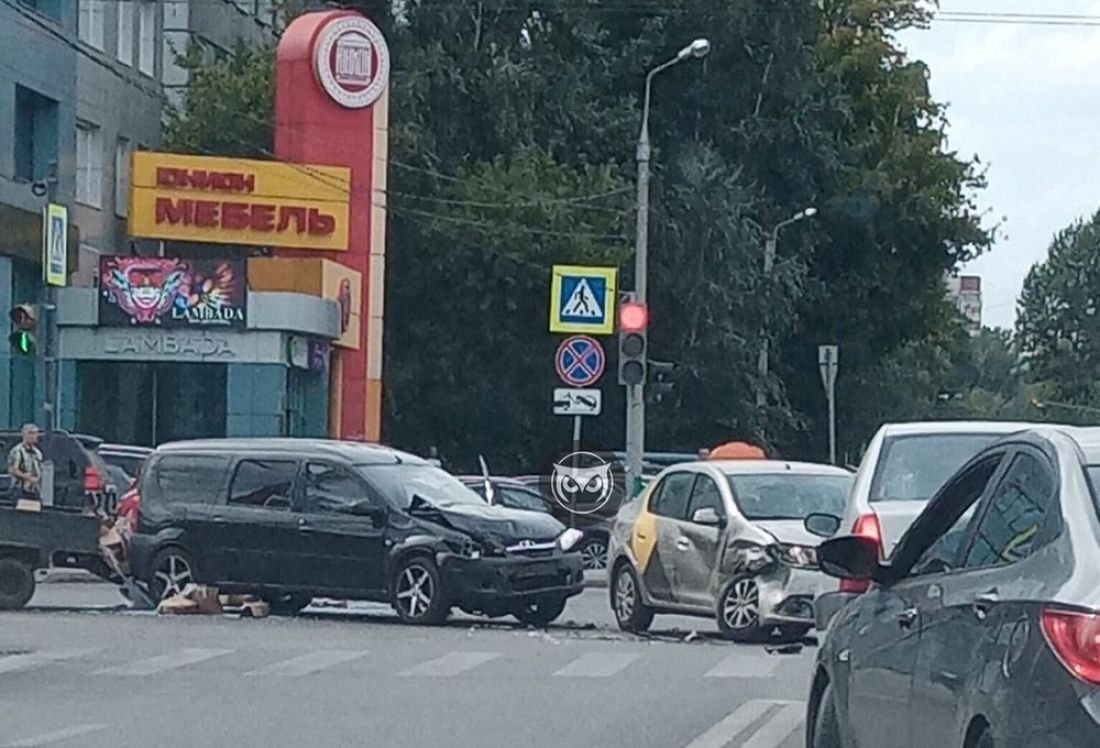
(25, 463)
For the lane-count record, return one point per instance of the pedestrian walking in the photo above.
(25, 464)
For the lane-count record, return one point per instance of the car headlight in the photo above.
(798, 556)
(569, 538)
(467, 548)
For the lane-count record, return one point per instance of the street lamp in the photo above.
(635, 394)
(769, 263)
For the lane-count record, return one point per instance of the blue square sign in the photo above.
(582, 299)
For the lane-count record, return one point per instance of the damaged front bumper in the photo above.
(787, 596)
(495, 585)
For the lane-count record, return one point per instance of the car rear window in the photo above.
(187, 479)
(789, 495)
(913, 467)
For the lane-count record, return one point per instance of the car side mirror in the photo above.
(707, 516)
(849, 557)
(822, 525)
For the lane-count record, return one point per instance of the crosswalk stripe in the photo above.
(308, 663)
(451, 664)
(742, 665)
(778, 728)
(597, 665)
(721, 733)
(160, 664)
(13, 663)
(56, 736)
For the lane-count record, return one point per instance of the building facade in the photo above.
(965, 292)
(83, 84)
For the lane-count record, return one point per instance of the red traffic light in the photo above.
(633, 316)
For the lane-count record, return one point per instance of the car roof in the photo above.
(956, 427)
(748, 467)
(124, 449)
(361, 452)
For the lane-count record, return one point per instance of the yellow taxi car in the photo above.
(725, 539)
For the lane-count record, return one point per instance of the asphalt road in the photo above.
(77, 671)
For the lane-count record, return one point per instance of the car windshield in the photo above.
(401, 482)
(790, 495)
(912, 468)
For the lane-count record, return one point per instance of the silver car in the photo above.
(904, 465)
(724, 540)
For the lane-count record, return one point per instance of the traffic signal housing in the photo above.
(24, 321)
(660, 383)
(633, 342)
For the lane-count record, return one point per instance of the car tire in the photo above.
(631, 613)
(16, 583)
(594, 554)
(739, 610)
(794, 633)
(288, 605)
(171, 570)
(825, 730)
(417, 593)
(540, 613)
(985, 740)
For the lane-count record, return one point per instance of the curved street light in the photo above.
(769, 264)
(635, 394)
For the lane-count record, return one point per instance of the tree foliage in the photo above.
(512, 144)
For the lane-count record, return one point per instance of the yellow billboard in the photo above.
(238, 201)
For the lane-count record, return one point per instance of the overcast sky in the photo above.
(1026, 100)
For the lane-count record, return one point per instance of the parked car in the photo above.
(81, 478)
(516, 494)
(127, 457)
(291, 519)
(983, 627)
(724, 539)
(903, 467)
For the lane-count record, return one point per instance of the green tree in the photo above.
(1058, 324)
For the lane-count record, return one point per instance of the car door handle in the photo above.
(907, 618)
(218, 520)
(683, 544)
(303, 525)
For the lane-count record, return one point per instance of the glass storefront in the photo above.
(151, 403)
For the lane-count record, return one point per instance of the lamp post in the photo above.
(769, 264)
(635, 394)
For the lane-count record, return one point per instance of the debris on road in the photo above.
(199, 599)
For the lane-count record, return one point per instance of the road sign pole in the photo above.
(828, 361)
(48, 316)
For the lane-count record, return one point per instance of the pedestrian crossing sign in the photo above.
(582, 299)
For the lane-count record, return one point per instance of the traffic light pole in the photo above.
(48, 319)
(635, 393)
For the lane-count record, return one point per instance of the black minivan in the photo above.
(291, 519)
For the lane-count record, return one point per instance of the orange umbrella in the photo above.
(737, 451)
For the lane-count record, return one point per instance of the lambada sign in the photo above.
(238, 201)
(168, 292)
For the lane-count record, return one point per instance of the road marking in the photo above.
(160, 664)
(778, 728)
(13, 663)
(308, 663)
(744, 665)
(597, 665)
(451, 664)
(56, 736)
(721, 733)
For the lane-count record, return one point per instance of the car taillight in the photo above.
(92, 481)
(866, 526)
(1075, 639)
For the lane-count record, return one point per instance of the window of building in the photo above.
(36, 132)
(51, 8)
(124, 42)
(122, 177)
(89, 164)
(91, 22)
(147, 37)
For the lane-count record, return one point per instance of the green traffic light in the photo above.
(22, 342)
